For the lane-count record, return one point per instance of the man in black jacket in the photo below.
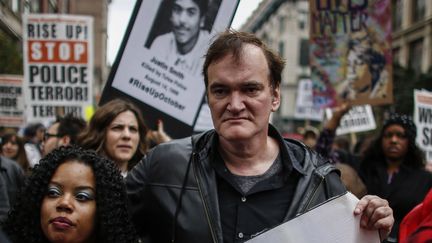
(234, 182)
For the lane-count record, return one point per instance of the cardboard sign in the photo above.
(304, 106)
(11, 101)
(358, 119)
(58, 65)
(423, 121)
(160, 61)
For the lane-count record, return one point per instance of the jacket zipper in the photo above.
(313, 194)
(205, 204)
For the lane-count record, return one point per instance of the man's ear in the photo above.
(65, 140)
(202, 22)
(275, 99)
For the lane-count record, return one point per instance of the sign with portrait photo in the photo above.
(159, 65)
(350, 52)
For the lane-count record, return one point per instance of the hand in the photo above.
(159, 136)
(375, 214)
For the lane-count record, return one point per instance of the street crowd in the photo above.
(115, 180)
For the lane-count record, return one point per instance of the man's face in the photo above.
(240, 96)
(51, 140)
(186, 19)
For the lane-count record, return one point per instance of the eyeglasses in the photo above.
(49, 135)
(399, 135)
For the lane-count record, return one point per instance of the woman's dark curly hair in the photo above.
(112, 217)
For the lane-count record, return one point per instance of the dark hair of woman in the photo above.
(414, 156)
(112, 218)
(93, 137)
(21, 157)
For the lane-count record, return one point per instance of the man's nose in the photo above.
(236, 102)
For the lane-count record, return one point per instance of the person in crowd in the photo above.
(63, 132)
(234, 182)
(118, 132)
(73, 195)
(310, 136)
(158, 136)
(184, 45)
(416, 226)
(11, 180)
(12, 147)
(393, 168)
(340, 154)
(33, 137)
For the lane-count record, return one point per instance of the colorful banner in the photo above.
(11, 101)
(423, 121)
(350, 51)
(58, 65)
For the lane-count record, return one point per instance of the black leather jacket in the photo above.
(173, 194)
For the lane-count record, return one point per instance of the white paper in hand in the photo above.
(332, 222)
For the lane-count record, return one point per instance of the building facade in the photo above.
(11, 25)
(412, 34)
(284, 26)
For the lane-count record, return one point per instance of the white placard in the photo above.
(304, 104)
(358, 119)
(332, 222)
(11, 101)
(58, 64)
(423, 121)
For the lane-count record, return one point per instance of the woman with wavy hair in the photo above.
(12, 147)
(117, 131)
(393, 168)
(73, 195)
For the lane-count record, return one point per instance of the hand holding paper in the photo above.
(334, 222)
(375, 214)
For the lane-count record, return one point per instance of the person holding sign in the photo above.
(117, 131)
(242, 178)
(393, 168)
(185, 44)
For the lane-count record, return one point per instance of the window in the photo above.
(32, 6)
(304, 53)
(282, 20)
(396, 55)
(397, 15)
(53, 6)
(418, 10)
(415, 55)
(281, 48)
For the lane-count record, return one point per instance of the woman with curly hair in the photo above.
(12, 147)
(117, 131)
(73, 195)
(393, 168)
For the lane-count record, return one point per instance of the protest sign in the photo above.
(58, 65)
(423, 121)
(160, 63)
(350, 50)
(358, 119)
(330, 222)
(304, 104)
(11, 101)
